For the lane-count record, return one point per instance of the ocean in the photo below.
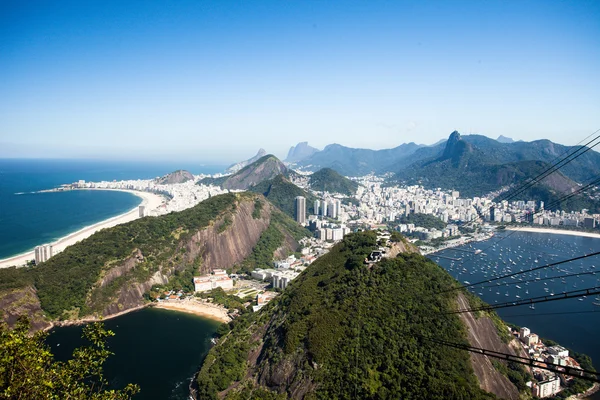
(29, 219)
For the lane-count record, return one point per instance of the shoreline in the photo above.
(150, 200)
(205, 310)
(554, 231)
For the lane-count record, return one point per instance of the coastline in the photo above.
(206, 310)
(150, 200)
(554, 231)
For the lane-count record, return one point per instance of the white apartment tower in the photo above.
(43, 253)
(301, 210)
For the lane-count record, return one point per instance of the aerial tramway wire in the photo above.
(532, 300)
(553, 168)
(568, 370)
(496, 278)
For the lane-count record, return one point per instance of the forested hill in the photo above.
(328, 180)
(282, 193)
(265, 168)
(111, 270)
(343, 329)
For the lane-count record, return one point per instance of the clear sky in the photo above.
(212, 81)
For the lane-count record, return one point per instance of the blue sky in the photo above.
(214, 81)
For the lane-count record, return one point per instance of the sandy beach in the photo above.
(207, 310)
(553, 231)
(150, 200)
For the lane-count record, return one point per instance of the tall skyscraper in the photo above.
(142, 210)
(301, 210)
(316, 207)
(324, 208)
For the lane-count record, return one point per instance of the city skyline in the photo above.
(215, 82)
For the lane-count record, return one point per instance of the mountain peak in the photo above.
(299, 152)
(179, 176)
(238, 166)
(504, 139)
(455, 147)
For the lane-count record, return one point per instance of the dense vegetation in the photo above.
(270, 240)
(423, 220)
(64, 282)
(28, 369)
(326, 333)
(328, 180)
(282, 193)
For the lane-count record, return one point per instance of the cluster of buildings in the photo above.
(42, 253)
(180, 195)
(218, 278)
(546, 383)
(526, 211)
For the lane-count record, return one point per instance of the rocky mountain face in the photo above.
(179, 176)
(232, 169)
(299, 152)
(217, 250)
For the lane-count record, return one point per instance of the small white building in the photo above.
(546, 388)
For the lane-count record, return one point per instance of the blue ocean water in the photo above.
(28, 219)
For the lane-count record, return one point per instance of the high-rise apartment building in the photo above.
(301, 210)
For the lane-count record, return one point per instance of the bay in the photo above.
(160, 350)
(573, 323)
(29, 219)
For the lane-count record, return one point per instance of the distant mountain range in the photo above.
(299, 152)
(232, 169)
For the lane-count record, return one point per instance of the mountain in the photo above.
(282, 194)
(504, 139)
(179, 176)
(110, 271)
(328, 180)
(476, 165)
(263, 169)
(299, 152)
(357, 162)
(232, 169)
(344, 329)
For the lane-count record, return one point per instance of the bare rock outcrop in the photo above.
(483, 333)
(226, 242)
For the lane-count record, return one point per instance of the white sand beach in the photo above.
(150, 200)
(553, 231)
(207, 310)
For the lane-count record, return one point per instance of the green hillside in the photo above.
(328, 180)
(343, 330)
(282, 193)
(265, 168)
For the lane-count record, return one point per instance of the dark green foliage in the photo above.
(64, 281)
(258, 205)
(271, 239)
(328, 180)
(28, 369)
(282, 193)
(15, 278)
(356, 332)
(423, 220)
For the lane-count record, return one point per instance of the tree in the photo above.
(28, 369)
